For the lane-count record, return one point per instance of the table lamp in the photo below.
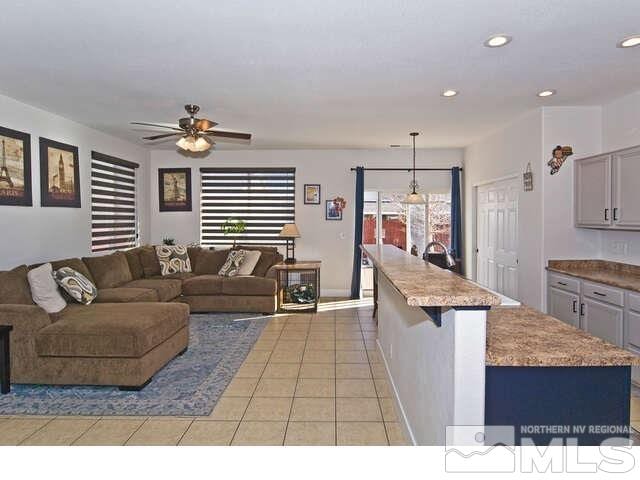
(290, 232)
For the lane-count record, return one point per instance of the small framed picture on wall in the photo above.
(59, 174)
(174, 188)
(15, 168)
(332, 211)
(312, 194)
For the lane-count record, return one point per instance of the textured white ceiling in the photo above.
(315, 73)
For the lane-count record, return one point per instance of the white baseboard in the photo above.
(334, 292)
(396, 399)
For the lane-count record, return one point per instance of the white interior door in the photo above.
(497, 236)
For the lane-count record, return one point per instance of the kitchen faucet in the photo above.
(448, 257)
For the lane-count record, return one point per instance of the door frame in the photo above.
(474, 218)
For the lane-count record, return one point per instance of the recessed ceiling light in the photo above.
(449, 93)
(546, 93)
(632, 41)
(495, 41)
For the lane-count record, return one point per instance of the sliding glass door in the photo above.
(388, 221)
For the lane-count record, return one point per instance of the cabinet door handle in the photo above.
(615, 213)
(575, 306)
(606, 214)
(599, 294)
(582, 309)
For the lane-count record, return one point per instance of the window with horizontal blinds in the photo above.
(114, 220)
(264, 198)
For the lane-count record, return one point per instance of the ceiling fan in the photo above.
(196, 134)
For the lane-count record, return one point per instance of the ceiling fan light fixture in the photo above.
(193, 144)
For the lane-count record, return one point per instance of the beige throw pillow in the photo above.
(44, 289)
(231, 267)
(251, 258)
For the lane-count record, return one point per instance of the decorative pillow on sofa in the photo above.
(231, 267)
(44, 289)
(79, 287)
(173, 259)
(251, 258)
(269, 256)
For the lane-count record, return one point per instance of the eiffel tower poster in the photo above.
(15, 167)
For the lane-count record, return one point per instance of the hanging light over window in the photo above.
(193, 144)
(414, 198)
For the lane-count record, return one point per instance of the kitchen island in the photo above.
(453, 358)
(432, 337)
(551, 380)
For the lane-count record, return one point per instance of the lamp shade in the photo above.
(414, 198)
(290, 230)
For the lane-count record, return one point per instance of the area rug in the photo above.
(189, 385)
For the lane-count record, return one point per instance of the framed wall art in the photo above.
(332, 210)
(312, 194)
(174, 188)
(59, 174)
(15, 168)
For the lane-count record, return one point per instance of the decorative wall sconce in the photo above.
(558, 156)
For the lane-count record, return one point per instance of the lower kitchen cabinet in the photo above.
(564, 306)
(603, 321)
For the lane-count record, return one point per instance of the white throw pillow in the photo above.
(251, 258)
(44, 289)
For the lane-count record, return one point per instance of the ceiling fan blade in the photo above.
(205, 124)
(157, 125)
(223, 134)
(164, 135)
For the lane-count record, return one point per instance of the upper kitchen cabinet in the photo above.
(626, 189)
(606, 192)
(593, 191)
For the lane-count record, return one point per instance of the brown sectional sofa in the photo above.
(137, 323)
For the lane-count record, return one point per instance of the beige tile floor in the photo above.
(310, 379)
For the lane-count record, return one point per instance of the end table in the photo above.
(5, 367)
(303, 274)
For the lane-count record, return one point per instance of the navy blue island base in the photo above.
(588, 404)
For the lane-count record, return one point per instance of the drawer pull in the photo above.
(582, 309)
(606, 214)
(599, 294)
(615, 213)
(575, 306)
(562, 283)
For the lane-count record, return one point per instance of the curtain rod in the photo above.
(408, 169)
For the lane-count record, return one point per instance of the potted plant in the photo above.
(233, 226)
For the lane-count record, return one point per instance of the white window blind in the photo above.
(114, 222)
(264, 198)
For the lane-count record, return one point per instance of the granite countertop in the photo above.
(524, 337)
(423, 284)
(615, 274)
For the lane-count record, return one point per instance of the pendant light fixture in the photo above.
(414, 198)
